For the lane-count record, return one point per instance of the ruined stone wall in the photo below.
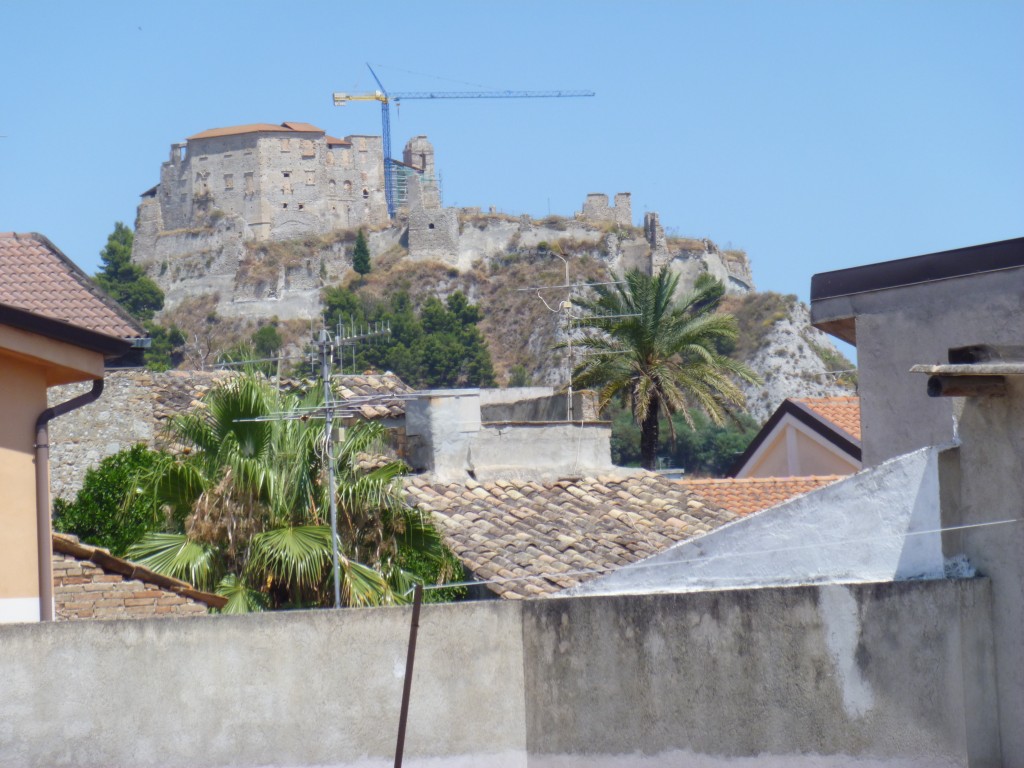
(433, 229)
(597, 210)
(83, 590)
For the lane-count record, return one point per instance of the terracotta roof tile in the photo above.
(36, 276)
(752, 494)
(841, 412)
(551, 536)
(70, 545)
(385, 388)
(235, 130)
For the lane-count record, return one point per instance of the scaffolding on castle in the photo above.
(401, 173)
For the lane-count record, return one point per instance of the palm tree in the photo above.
(657, 352)
(246, 502)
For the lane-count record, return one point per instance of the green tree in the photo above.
(706, 450)
(660, 353)
(124, 281)
(267, 341)
(165, 351)
(438, 346)
(361, 255)
(108, 510)
(248, 507)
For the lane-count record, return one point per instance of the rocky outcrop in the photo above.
(796, 360)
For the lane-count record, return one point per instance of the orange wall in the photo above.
(22, 399)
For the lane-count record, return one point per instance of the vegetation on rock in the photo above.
(435, 345)
(124, 281)
(361, 255)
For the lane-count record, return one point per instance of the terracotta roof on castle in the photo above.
(334, 141)
(235, 130)
(541, 538)
(752, 494)
(37, 277)
(842, 412)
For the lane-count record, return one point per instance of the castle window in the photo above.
(286, 145)
(204, 158)
(284, 205)
(347, 188)
(330, 157)
(301, 206)
(310, 178)
(250, 184)
(366, 194)
(229, 181)
(332, 186)
(287, 174)
(430, 225)
(308, 150)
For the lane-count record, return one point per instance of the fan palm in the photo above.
(660, 353)
(247, 503)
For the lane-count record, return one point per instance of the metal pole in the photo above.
(403, 717)
(325, 372)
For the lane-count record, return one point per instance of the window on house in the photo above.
(332, 186)
(366, 194)
(287, 174)
(430, 226)
(301, 206)
(308, 150)
(284, 205)
(310, 178)
(250, 184)
(347, 188)
(286, 145)
(229, 181)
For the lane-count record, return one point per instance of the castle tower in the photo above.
(419, 153)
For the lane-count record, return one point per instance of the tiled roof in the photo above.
(36, 276)
(235, 130)
(334, 141)
(70, 545)
(842, 412)
(752, 494)
(384, 387)
(552, 536)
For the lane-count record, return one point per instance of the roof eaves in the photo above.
(60, 330)
(108, 562)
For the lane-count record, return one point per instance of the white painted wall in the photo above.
(852, 531)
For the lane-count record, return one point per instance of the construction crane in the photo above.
(385, 99)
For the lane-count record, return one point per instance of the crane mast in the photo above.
(385, 99)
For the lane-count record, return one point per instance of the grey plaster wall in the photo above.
(873, 675)
(900, 327)
(983, 482)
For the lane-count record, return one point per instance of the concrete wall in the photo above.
(983, 483)
(900, 327)
(873, 675)
(854, 530)
(447, 438)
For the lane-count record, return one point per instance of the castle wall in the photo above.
(282, 184)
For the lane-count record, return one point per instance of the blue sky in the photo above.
(816, 135)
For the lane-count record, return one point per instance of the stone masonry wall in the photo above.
(597, 210)
(82, 590)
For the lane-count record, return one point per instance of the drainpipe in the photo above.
(44, 536)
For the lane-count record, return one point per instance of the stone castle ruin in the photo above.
(226, 196)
